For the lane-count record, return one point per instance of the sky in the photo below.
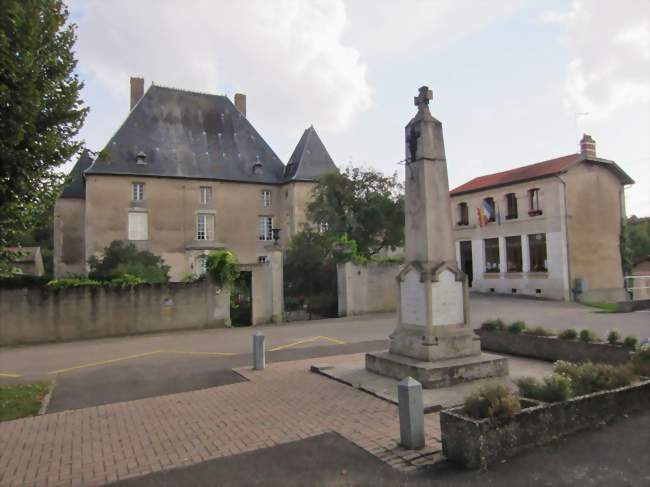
(514, 81)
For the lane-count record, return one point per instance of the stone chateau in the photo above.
(185, 173)
(551, 229)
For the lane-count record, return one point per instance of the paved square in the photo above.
(283, 403)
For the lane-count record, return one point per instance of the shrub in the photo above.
(122, 258)
(569, 334)
(589, 377)
(493, 325)
(517, 327)
(630, 341)
(127, 280)
(492, 401)
(189, 277)
(68, 282)
(554, 388)
(587, 336)
(539, 331)
(614, 337)
(223, 267)
(641, 360)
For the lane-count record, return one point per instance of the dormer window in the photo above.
(141, 158)
(533, 200)
(257, 166)
(463, 214)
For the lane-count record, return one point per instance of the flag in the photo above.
(479, 216)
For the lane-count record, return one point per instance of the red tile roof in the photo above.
(533, 171)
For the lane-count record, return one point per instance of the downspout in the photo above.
(566, 237)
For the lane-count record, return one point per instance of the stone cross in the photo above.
(422, 100)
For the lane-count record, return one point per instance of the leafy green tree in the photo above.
(637, 240)
(120, 259)
(40, 111)
(363, 204)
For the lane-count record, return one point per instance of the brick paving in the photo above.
(283, 403)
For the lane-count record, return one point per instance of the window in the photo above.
(262, 259)
(513, 253)
(491, 255)
(138, 225)
(488, 206)
(205, 194)
(323, 227)
(204, 226)
(201, 266)
(138, 191)
(511, 199)
(266, 199)
(537, 250)
(533, 198)
(463, 214)
(265, 228)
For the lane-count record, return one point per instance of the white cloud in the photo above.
(287, 55)
(610, 45)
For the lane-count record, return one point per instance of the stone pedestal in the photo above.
(433, 342)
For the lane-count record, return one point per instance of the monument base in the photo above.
(443, 343)
(441, 373)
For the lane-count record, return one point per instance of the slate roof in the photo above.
(536, 171)
(309, 159)
(76, 188)
(189, 135)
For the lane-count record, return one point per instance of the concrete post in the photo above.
(411, 414)
(259, 353)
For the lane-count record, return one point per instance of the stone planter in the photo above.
(479, 443)
(552, 348)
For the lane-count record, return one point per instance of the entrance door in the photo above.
(466, 260)
(241, 300)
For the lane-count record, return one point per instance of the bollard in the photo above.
(259, 358)
(411, 414)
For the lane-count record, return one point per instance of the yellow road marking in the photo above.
(190, 352)
(7, 374)
(104, 362)
(307, 340)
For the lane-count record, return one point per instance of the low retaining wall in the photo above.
(35, 315)
(479, 443)
(629, 306)
(368, 288)
(552, 348)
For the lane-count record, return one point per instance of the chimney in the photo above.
(137, 90)
(588, 146)
(240, 103)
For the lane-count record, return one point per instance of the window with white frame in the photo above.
(205, 194)
(138, 225)
(201, 265)
(266, 198)
(533, 199)
(137, 191)
(204, 226)
(265, 228)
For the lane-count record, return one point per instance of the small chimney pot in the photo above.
(137, 90)
(587, 146)
(240, 103)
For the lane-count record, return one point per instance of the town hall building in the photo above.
(551, 229)
(186, 173)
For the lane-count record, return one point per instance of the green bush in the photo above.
(587, 336)
(122, 258)
(539, 331)
(569, 334)
(630, 341)
(641, 360)
(127, 280)
(492, 401)
(588, 377)
(17, 281)
(189, 277)
(68, 282)
(493, 325)
(553, 388)
(517, 327)
(223, 267)
(614, 337)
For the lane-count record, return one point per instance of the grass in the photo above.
(21, 400)
(606, 307)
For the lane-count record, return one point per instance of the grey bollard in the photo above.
(259, 358)
(411, 414)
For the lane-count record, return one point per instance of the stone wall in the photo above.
(367, 288)
(36, 315)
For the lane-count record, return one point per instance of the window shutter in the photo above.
(138, 226)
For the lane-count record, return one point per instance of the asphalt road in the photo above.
(615, 455)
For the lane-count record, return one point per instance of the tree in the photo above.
(120, 259)
(364, 205)
(636, 241)
(40, 111)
